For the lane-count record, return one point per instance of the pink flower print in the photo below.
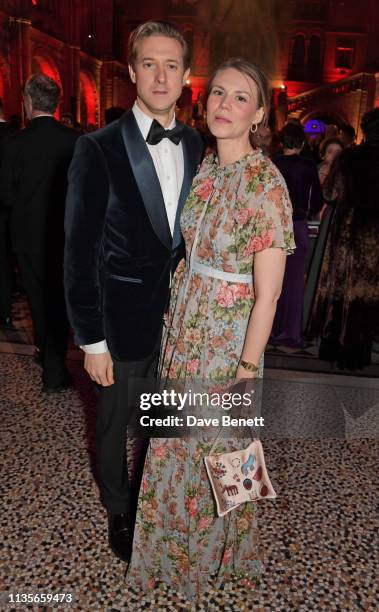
(267, 239)
(204, 189)
(192, 366)
(151, 583)
(258, 243)
(191, 505)
(192, 335)
(240, 291)
(224, 295)
(145, 486)
(226, 556)
(172, 372)
(204, 522)
(244, 215)
(254, 244)
(160, 451)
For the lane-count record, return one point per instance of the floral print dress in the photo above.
(243, 208)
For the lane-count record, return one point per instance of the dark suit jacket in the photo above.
(33, 178)
(6, 132)
(119, 249)
(301, 176)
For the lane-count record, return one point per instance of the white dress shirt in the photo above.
(169, 165)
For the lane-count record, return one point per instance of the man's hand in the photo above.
(100, 368)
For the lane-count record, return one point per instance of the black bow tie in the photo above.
(157, 132)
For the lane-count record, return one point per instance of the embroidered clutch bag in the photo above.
(238, 477)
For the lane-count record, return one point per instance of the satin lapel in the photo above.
(189, 173)
(146, 178)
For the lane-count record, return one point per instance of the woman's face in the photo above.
(232, 105)
(331, 152)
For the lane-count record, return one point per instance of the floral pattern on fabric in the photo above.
(178, 537)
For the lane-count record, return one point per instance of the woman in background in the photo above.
(329, 150)
(300, 174)
(345, 311)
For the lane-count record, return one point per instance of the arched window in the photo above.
(314, 59)
(296, 70)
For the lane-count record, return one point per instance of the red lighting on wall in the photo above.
(45, 66)
(90, 97)
(35, 2)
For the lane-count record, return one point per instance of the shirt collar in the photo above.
(43, 115)
(144, 121)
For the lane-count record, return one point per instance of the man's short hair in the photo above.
(45, 93)
(292, 136)
(156, 28)
(348, 129)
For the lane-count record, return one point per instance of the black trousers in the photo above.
(5, 264)
(42, 277)
(114, 412)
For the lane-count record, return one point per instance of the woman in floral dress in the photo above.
(236, 222)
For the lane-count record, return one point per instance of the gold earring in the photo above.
(255, 126)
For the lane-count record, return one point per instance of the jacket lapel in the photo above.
(146, 178)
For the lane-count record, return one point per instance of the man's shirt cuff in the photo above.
(96, 348)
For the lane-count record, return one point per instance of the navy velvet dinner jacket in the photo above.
(119, 250)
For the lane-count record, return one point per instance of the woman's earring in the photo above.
(253, 128)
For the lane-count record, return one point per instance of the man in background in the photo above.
(34, 182)
(6, 132)
(346, 134)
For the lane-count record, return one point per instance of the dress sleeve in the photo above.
(270, 212)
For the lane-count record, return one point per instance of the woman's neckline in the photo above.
(237, 162)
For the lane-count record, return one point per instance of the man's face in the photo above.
(158, 74)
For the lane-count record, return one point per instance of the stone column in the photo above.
(70, 80)
(76, 82)
(20, 60)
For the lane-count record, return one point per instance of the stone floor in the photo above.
(318, 539)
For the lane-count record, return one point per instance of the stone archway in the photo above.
(327, 115)
(41, 63)
(88, 99)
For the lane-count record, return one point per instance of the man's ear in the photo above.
(132, 74)
(185, 76)
(28, 105)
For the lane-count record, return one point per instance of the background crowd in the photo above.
(330, 291)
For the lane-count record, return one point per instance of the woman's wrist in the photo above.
(248, 366)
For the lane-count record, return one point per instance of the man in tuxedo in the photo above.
(34, 182)
(6, 132)
(128, 183)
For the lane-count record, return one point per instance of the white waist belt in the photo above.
(220, 274)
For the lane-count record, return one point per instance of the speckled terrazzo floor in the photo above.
(318, 539)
